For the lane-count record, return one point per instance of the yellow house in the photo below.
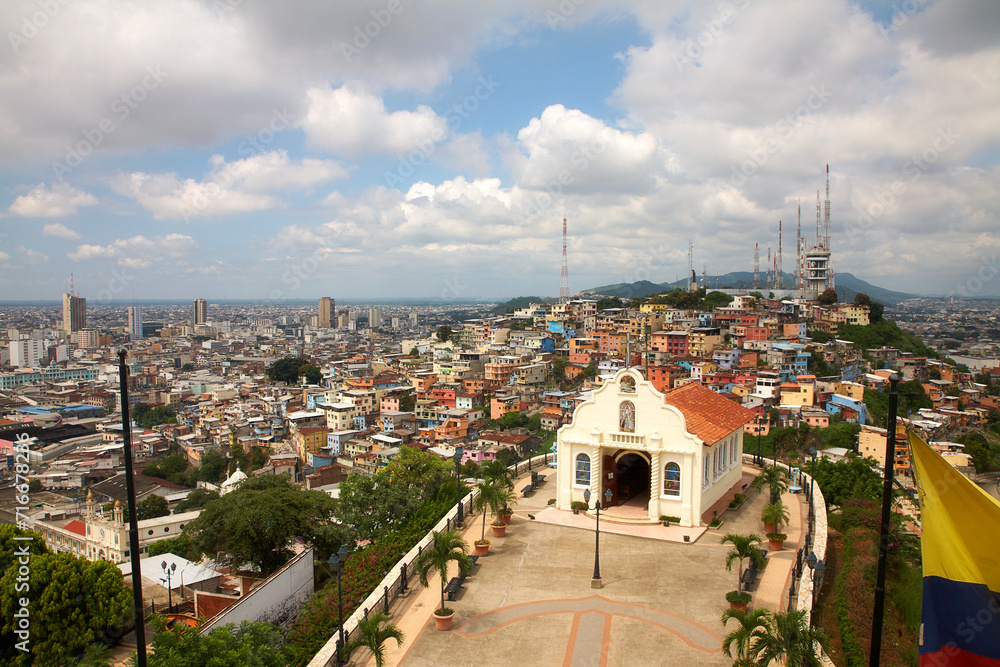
(797, 394)
(853, 390)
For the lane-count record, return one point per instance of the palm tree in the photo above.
(743, 547)
(775, 514)
(776, 479)
(789, 636)
(491, 495)
(496, 471)
(752, 627)
(376, 630)
(446, 547)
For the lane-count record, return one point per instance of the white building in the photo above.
(26, 353)
(134, 323)
(674, 454)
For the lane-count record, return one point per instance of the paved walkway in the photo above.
(531, 602)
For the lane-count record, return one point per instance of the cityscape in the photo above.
(551, 332)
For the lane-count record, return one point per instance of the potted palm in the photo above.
(444, 547)
(501, 498)
(776, 479)
(738, 600)
(490, 495)
(790, 636)
(774, 515)
(375, 630)
(776, 541)
(753, 625)
(744, 548)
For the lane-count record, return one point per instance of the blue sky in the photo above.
(256, 150)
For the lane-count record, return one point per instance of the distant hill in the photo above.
(520, 302)
(847, 286)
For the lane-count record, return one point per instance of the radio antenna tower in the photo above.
(826, 213)
(779, 276)
(798, 251)
(692, 282)
(770, 278)
(564, 277)
(756, 266)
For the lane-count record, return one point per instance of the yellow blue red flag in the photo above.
(960, 543)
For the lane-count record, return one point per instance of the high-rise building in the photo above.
(200, 312)
(327, 307)
(74, 313)
(27, 353)
(134, 323)
(374, 318)
(86, 338)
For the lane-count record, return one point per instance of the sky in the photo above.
(249, 149)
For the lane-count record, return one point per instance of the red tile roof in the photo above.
(78, 527)
(709, 416)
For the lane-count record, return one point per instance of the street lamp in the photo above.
(335, 567)
(759, 460)
(818, 567)
(596, 581)
(812, 487)
(459, 452)
(168, 571)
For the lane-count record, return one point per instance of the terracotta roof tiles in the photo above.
(709, 416)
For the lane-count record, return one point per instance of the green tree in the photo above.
(752, 626)
(417, 472)
(445, 547)
(375, 630)
(605, 303)
(744, 548)
(850, 478)
(790, 637)
(716, 299)
(34, 485)
(776, 479)
(372, 506)
(312, 374)
(167, 467)
(258, 644)
(498, 470)
(775, 514)
(187, 367)
(213, 467)
(288, 369)
(152, 507)
(828, 297)
(179, 546)
(74, 602)
(254, 524)
(407, 401)
(444, 333)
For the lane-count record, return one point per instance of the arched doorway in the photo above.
(633, 479)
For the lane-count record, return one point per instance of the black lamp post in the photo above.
(812, 488)
(818, 567)
(335, 562)
(168, 571)
(459, 452)
(595, 582)
(759, 460)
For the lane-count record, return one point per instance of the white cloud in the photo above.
(138, 251)
(60, 231)
(229, 187)
(349, 121)
(59, 201)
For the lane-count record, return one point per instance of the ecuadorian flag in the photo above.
(960, 616)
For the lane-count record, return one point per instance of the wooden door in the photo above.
(610, 472)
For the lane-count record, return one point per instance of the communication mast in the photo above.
(564, 278)
(756, 266)
(692, 281)
(778, 275)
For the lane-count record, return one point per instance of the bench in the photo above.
(462, 573)
(452, 588)
(748, 578)
(539, 479)
(528, 489)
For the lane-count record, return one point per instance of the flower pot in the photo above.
(776, 545)
(443, 622)
(576, 511)
(666, 524)
(505, 519)
(499, 530)
(741, 606)
(482, 549)
(770, 528)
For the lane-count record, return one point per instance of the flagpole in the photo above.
(883, 543)
(133, 521)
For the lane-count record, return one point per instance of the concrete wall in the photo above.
(281, 592)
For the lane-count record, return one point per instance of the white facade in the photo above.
(26, 353)
(134, 323)
(675, 454)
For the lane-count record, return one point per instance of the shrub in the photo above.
(716, 522)
(736, 597)
(578, 505)
(671, 519)
(552, 501)
(777, 537)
